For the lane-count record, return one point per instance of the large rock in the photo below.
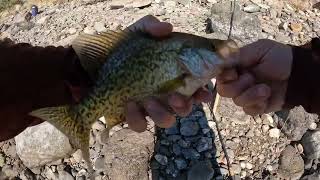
(246, 27)
(291, 164)
(295, 122)
(202, 170)
(127, 155)
(42, 144)
(311, 144)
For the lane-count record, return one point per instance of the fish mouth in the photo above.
(201, 63)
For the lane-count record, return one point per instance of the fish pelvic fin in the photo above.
(66, 121)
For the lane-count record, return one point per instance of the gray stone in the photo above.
(49, 174)
(189, 128)
(171, 169)
(274, 133)
(206, 130)
(183, 143)
(141, 3)
(190, 154)
(311, 144)
(291, 164)
(99, 164)
(295, 123)
(164, 150)
(89, 30)
(42, 144)
(160, 12)
(184, 2)
(251, 8)
(176, 149)
(246, 27)
(154, 164)
(127, 154)
(235, 168)
(201, 171)
(174, 138)
(204, 144)
(72, 30)
(314, 176)
(180, 163)
(100, 27)
(2, 160)
(19, 18)
(77, 156)
(63, 175)
(172, 130)
(282, 38)
(203, 122)
(165, 142)
(42, 20)
(163, 160)
(169, 4)
(26, 175)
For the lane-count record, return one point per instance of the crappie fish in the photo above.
(131, 65)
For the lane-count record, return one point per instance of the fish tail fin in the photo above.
(66, 120)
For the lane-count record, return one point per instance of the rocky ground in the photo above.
(272, 146)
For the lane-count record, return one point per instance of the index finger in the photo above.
(153, 26)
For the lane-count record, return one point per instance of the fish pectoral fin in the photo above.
(93, 50)
(70, 125)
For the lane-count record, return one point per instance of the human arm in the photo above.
(34, 77)
(271, 76)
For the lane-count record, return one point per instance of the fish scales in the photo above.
(130, 65)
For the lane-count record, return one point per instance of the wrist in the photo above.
(302, 87)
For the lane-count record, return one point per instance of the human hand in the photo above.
(259, 83)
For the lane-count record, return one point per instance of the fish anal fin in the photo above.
(74, 128)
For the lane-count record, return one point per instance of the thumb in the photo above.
(252, 54)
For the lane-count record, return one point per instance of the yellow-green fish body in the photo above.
(128, 65)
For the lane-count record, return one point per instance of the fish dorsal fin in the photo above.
(93, 50)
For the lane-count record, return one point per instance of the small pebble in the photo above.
(274, 133)
(2, 160)
(265, 128)
(243, 174)
(163, 160)
(250, 133)
(242, 164)
(296, 27)
(249, 165)
(261, 156)
(189, 128)
(176, 149)
(300, 148)
(235, 168)
(183, 143)
(180, 163)
(313, 126)
(72, 30)
(267, 119)
(251, 8)
(89, 30)
(269, 168)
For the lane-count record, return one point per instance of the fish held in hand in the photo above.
(130, 65)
